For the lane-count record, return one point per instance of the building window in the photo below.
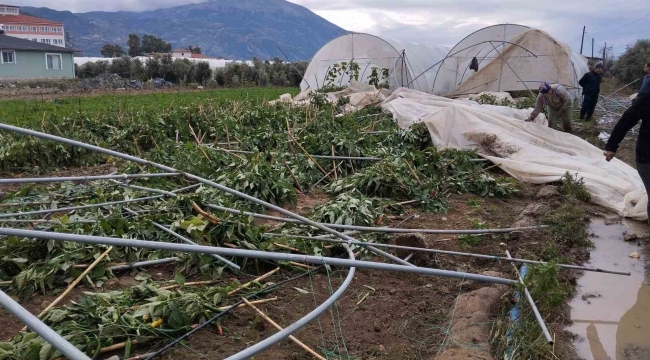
(53, 61)
(32, 29)
(8, 57)
(10, 28)
(35, 40)
(12, 10)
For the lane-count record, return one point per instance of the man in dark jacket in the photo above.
(590, 83)
(640, 110)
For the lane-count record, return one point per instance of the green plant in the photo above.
(468, 240)
(379, 78)
(574, 187)
(568, 226)
(347, 209)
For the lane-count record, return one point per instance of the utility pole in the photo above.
(582, 42)
(592, 48)
(604, 49)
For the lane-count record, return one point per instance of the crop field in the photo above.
(346, 169)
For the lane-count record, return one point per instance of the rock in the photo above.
(590, 296)
(12, 86)
(199, 87)
(411, 240)
(473, 314)
(535, 210)
(634, 255)
(392, 291)
(629, 237)
(114, 357)
(548, 191)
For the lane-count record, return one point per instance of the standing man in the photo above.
(640, 110)
(590, 83)
(558, 102)
(645, 85)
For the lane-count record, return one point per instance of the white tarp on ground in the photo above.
(530, 152)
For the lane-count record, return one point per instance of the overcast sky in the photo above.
(445, 22)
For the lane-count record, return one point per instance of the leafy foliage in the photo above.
(347, 209)
(574, 187)
(629, 66)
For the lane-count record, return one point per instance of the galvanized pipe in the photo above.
(57, 341)
(143, 188)
(446, 252)
(200, 249)
(266, 343)
(81, 207)
(378, 229)
(84, 178)
(531, 302)
(186, 175)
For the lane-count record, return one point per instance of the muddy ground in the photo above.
(383, 315)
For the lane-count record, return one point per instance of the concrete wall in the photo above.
(32, 65)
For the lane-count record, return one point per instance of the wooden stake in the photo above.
(228, 137)
(285, 247)
(232, 246)
(304, 266)
(198, 143)
(196, 283)
(336, 177)
(309, 156)
(274, 324)
(211, 218)
(256, 280)
(413, 173)
(74, 283)
(256, 302)
(5, 283)
(293, 176)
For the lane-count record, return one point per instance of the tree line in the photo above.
(184, 71)
(149, 44)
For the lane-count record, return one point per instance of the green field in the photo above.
(30, 112)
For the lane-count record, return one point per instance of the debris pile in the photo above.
(109, 81)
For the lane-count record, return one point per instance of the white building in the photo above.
(29, 27)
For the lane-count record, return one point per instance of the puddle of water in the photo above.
(611, 313)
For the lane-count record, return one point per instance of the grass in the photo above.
(30, 112)
(574, 187)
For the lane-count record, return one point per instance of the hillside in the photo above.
(236, 29)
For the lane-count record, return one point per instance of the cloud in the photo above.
(445, 22)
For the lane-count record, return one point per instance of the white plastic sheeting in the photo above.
(534, 55)
(405, 61)
(529, 151)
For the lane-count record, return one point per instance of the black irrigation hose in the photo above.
(221, 314)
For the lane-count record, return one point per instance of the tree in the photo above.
(608, 62)
(154, 44)
(202, 72)
(70, 44)
(194, 49)
(629, 66)
(134, 45)
(111, 51)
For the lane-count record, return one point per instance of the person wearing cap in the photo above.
(590, 83)
(558, 102)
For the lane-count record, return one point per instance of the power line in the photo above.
(619, 28)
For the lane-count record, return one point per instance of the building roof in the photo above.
(14, 43)
(26, 19)
(181, 50)
(15, 6)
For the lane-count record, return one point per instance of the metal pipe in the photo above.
(255, 254)
(84, 178)
(266, 343)
(607, 97)
(80, 207)
(44, 331)
(186, 175)
(511, 69)
(188, 241)
(446, 252)
(142, 188)
(538, 316)
(143, 263)
(377, 229)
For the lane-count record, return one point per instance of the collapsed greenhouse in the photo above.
(505, 57)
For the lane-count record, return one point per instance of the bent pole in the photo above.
(199, 179)
(255, 254)
(44, 331)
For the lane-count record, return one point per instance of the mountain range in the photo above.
(233, 29)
